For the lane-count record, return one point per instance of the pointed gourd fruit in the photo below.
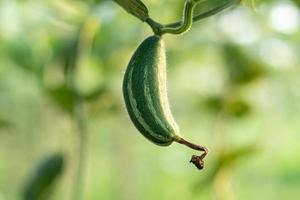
(146, 100)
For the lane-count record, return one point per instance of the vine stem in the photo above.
(185, 24)
(80, 119)
(84, 41)
(196, 160)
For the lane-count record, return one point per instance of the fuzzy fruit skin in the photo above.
(145, 93)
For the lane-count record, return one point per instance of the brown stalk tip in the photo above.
(197, 161)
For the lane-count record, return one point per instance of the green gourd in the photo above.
(145, 95)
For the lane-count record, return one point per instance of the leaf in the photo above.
(236, 107)
(4, 123)
(240, 67)
(134, 7)
(95, 94)
(210, 7)
(233, 106)
(21, 53)
(43, 176)
(298, 3)
(214, 103)
(63, 97)
(207, 8)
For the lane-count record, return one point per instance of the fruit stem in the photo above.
(196, 160)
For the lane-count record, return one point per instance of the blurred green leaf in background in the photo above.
(41, 181)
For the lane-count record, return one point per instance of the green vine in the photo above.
(185, 24)
(183, 27)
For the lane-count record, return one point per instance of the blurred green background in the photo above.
(233, 84)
